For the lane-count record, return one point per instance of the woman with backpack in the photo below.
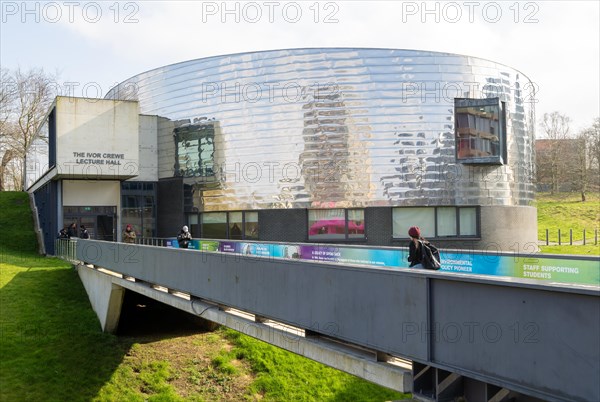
(415, 252)
(422, 254)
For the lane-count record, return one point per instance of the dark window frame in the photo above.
(139, 191)
(457, 209)
(346, 234)
(205, 131)
(227, 224)
(501, 157)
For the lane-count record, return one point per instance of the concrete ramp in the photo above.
(464, 333)
(106, 290)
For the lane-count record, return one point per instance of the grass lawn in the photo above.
(565, 211)
(589, 249)
(52, 348)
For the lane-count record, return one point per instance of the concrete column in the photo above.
(105, 296)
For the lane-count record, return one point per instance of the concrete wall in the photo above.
(97, 138)
(166, 144)
(148, 168)
(105, 297)
(509, 229)
(91, 193)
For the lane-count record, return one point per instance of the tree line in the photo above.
(566, 160)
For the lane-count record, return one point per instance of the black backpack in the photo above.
(430, 256)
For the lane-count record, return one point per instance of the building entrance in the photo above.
(99, 221)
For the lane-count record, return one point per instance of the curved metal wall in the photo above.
(338, 127)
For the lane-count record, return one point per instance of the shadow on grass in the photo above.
(51, 344)
(50, 340)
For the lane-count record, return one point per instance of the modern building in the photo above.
(301, 145)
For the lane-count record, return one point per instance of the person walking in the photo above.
(415, 253)
(184, 237)
(129, 235)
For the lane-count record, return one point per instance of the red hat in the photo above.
(414, 231)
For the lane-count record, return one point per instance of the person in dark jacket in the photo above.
(63, 234)
(73, 230)
(83, 234)
(184, 237)
(415, 254)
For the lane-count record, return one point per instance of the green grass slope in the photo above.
(565, 211)
(16, 223)
(52, 348)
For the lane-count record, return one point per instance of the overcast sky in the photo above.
(97, 44)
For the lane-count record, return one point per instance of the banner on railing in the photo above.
(555, 269)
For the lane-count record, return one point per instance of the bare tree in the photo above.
(588, 143)
(28, 96)
(581, 171)
(550, 165)
(7, 96)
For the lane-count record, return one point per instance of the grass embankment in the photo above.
(565, 211)
(52, 348)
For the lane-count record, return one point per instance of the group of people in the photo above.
(129, 235)
(415, 249)
(71, 231)
(183, 238)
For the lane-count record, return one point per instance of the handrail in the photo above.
(66, 249)
(565, 269)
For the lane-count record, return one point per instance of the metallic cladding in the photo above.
(339, 127)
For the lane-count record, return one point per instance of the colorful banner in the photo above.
(557, 269)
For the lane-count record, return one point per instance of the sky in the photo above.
(91, 46)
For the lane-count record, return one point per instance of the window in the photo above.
(480, 131)
(239, 225)
(446, 221)
(251, 226)
(195, 150)
(193, 226)
(138, 207)
(336, 224)
(436, 221)
(236, 222)
(468, 221)
(214, 225)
